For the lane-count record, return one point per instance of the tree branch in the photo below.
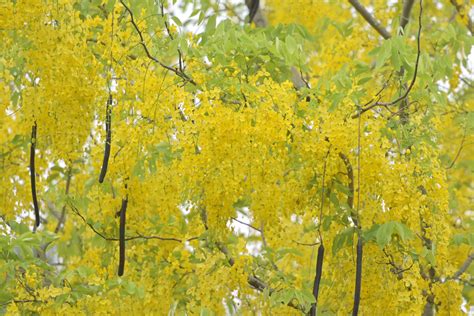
(178, 72)
(462, 12)
(407, 6)
(458, 152)
(370, 19)
(464, 267)
(138, 236)
(371, 104)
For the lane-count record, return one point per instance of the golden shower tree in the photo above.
(217, 157)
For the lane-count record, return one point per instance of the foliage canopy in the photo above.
(208, 159)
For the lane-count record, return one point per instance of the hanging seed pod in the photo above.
(317, 278)
(33, 174)
(358, 280)
(108, 139)
(123, 210)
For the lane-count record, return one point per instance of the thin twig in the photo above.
(246, 224)
(178, 72)
(307, 244)
(462, 13)
(138, 236)
(461, 146)
(412, 83)
(180, 54)
(358, 279)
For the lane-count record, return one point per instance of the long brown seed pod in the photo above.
(317, 279)
(123, 210)
(358, 281)
(33, 174)
(108, 139)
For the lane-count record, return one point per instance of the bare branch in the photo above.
(459, 151)
(464, 15)
(464, 267)
(407, 6)
(246, 224)
(370, 19)
(412, 83)
(138, 236)
(178, 72)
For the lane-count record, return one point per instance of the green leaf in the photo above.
(211, 24)
(282, 297)
(403, 231)
(345, 238)
(177, 21)
(384, 234)
(383, 54)
(291, 44)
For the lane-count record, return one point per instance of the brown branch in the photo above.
(462, 13)
(412, 83)
(22, 302)
(33, 174)
(138, 236)
(458, 152)
(246, 224)
(464, 267)
(306, 244)
(407, 6)
(170, 35)
(178, 72)
(252, 280)
(370, 19)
